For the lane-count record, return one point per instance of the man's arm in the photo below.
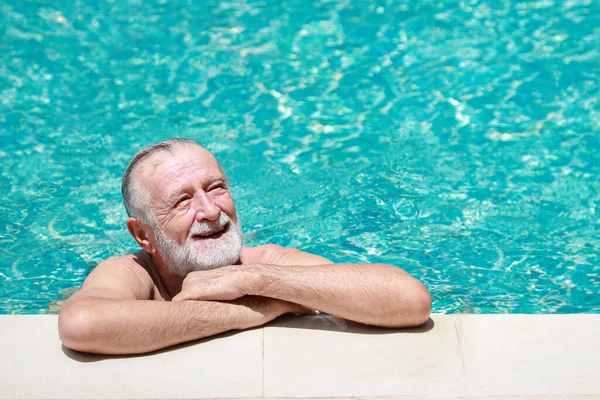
(374, 294)
(113, 314)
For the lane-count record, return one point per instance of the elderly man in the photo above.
(193, 277)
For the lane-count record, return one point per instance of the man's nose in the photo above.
(205, 207)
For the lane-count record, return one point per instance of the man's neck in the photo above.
(170, 282)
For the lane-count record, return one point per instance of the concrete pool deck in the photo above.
(452, 356)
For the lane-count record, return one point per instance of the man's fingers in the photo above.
(309, 312)
(300, 309)
(183, 296)
(207, 294)
(187, 295)
(180, 297)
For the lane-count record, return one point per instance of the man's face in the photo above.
(197, 226)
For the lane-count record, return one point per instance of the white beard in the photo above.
(201, 254)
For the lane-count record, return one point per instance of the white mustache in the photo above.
(201, 228)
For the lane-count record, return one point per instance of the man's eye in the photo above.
(182, 201)
(218, 187)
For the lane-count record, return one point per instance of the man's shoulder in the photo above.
(132, 271)
(139, 259)
(264, 254)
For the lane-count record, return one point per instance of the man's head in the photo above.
(180, 207)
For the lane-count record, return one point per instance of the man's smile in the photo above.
(212, 234)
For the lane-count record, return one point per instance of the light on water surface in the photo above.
(458, 140)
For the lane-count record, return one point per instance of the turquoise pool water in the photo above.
(458, 139)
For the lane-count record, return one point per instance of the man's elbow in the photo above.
(75, 328)
(413, 308)
(421, 308)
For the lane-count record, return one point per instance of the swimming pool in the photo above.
(458, 139)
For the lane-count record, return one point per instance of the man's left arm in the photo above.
(374, 294)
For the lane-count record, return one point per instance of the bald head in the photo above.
(136, 197)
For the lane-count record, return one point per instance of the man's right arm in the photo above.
(113, 314)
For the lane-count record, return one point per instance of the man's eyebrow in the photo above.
(214, 179)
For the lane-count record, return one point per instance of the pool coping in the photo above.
(452, 356)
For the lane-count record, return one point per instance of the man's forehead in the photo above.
(170, 168)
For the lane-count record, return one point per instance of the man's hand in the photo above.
(220, 284)
(259, 310)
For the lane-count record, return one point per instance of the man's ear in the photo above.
(141, 233)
